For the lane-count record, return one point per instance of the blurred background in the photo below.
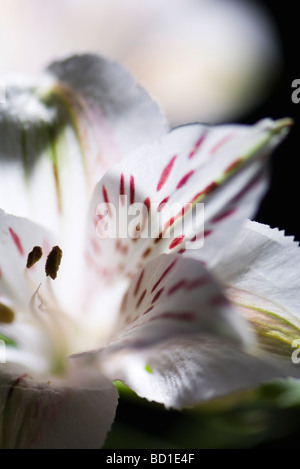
(209, 61)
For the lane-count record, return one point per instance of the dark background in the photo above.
(280, 206)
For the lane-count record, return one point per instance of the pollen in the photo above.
(7, 315)
(34, 256)
(53, 262)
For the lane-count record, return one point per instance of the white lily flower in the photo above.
(77, 310)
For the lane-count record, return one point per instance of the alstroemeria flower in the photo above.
(79, 310)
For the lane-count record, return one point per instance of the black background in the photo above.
(280, 206)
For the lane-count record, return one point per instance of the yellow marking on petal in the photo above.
(275, 334)
(148, 368)
(7, 315)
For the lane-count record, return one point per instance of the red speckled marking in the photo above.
(212, 186)
(146, 252)
(166, 271)
(185, 179)
(184, 316)
(176, 241)
(165, 174)
(95, 245)
(0, 273)
(181, 251)
(122, 248)
(124, 303)
(247, 189)
(207, 233)
(172, 220)
(224, 215)
(122, 188)
(106, 199)
(17, 241)
(138, 283)
(147, 203)
(197, 146)
(158, 239)
(162, 204)
(157, 295)
(132, 189)
(189, 285)
(141, 299)
(15, 384)
(221, 142)
(218, 301)
(148, 310)
(233, 165)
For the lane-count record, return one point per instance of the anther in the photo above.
(7, 315)
(34, 256)
(53, 262)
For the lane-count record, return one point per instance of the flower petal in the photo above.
(59, 134)
(261, 274)
(171, 296)
(221, 167)
(179, 341)
(18, 237)
(185, 371)
(76, 414)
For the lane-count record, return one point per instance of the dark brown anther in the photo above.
(53, 262)
(34, 256)
(7, 315)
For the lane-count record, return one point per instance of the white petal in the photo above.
(58, 135)
(76, 414)
(171, 296)
(18, 237)
(185, 371)
(262, 268)
(261, 274)
(222, 167)
(121, 113)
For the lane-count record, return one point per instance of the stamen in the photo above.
(7, 315)
(34, 256)
(53, 262)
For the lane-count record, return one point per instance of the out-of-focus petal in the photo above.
(75, 414)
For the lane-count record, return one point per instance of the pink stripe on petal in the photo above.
(141, 299)
(17, 241)
(138, 283)
(184, 316)
(184, 180)
(197, 145)
(176, 241)
(106, 199)
(165, 174)
(157, 295)
(132, 189)
(221, 142)
(166, 271)
(147, 203)
(146, 252)
(224, 215)
(233, 165)
(162, 204)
